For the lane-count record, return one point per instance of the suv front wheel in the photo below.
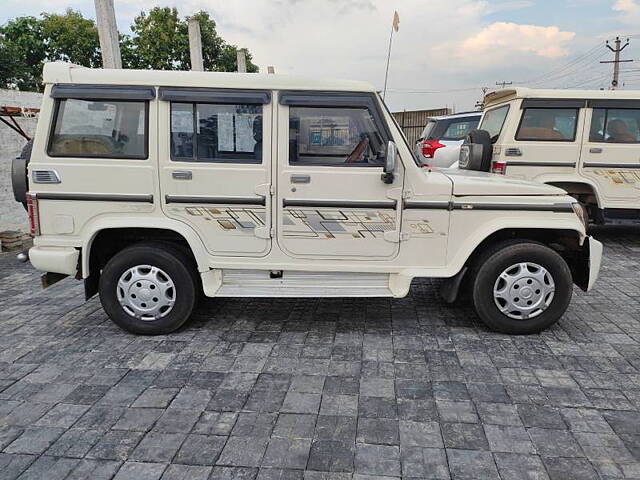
(149, 288)
(521, 287)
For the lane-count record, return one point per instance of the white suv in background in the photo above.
(439, 143)
(586, 142)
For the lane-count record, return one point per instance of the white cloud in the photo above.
(500, 39)
(629, 11)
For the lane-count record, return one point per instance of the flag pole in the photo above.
(386, 72)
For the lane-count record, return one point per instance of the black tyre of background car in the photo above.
(168, 258)
(19, 178)
(480, 137)
(494, 261)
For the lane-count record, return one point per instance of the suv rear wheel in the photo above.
(521, 287)
(149, 288)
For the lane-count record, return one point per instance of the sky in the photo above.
(443, 54)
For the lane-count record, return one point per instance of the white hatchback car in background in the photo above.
(439, 143)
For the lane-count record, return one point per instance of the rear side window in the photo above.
(615, 125)
(548, 124)
(334, 137)
(493, 120)
(458, 128)
(222, 133)
(99, 128)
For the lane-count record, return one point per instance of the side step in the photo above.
(262, 283)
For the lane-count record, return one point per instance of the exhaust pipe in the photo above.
(23, 256)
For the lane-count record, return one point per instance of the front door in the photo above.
(331, 201)
(611, 156)
(215, 168)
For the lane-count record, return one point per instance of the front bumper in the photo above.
(587, 268)
(63, 260)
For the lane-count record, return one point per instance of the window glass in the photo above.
(427, 129)
(91, 128)
(615, 125)
(334, 136)
(548, 124)
(216, 132)
(493, 120)
(458, 128)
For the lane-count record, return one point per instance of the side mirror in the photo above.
(389, 163)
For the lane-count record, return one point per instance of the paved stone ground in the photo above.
(321, 389)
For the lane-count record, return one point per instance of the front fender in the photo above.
(92, 228)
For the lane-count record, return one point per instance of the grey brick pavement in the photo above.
(279, 389)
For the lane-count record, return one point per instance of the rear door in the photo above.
(547, 139)
(215, 166)
(611, 154)
(331, 201)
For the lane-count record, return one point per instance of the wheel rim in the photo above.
(146, 292)
(524, 290)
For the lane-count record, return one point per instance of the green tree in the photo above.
(161, 41)
(30, 42)
(71, 38)
(23, 41)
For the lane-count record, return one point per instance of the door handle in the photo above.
(182, 175)
(300, 179)
(595, 150)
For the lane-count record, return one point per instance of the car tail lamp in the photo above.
(498, 167)
(34, 214)
(429, 147)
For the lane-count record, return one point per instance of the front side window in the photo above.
(205, 132)
(99, 128)
(613, 125)
(548, 124)
(493, 120)
(334, 137)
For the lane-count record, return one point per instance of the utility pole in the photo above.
(616, 60)
(195, 45)
(241, 59)
(108, 34)
(503, 84)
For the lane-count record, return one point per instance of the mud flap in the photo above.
(587, 266)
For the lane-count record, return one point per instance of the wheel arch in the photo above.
(130, 230)
(566, 241)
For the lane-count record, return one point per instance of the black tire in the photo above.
(19, 179)
(171, 260)
(480, 137)
(495, 260)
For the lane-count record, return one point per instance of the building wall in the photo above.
(413, 122)
(12, 214)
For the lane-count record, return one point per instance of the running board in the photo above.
(263, 283)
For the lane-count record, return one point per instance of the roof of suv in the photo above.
(62, 72)
(504, 95)
(473, 113)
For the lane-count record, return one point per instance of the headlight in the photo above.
(581, 213)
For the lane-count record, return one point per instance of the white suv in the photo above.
(154, 187)
(585, 142)
(439, 142)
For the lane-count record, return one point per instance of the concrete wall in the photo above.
(12, 215)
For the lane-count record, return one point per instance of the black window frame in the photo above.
(540, 107)
(346, 100)
(604, 125)
(97, 98)
(194, 158)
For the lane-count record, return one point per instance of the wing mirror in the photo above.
(389, 163)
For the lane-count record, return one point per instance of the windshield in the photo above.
(458, 128)
(493, 120)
